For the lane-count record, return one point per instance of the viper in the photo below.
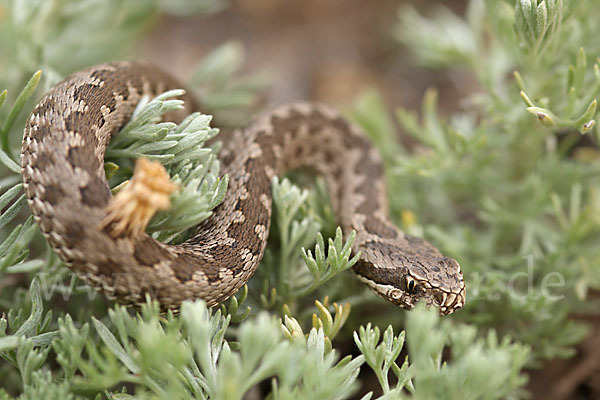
(62, 163)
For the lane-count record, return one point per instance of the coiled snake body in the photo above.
(62, 165)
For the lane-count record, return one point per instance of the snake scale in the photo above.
(62, 165)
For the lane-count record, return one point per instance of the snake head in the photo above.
(410, 276)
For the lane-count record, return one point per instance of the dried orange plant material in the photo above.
(129, 212)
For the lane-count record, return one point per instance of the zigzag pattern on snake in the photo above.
(62, 165)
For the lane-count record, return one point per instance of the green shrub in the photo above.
(490, 185)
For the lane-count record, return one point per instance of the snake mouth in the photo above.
(445, 302)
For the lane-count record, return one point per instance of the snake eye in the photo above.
(411, 285)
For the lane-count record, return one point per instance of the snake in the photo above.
(62, 163)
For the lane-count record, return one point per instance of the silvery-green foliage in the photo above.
(181, 149)
(489, 185)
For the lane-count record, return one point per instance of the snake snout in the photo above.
(450, 294)
(451, 302)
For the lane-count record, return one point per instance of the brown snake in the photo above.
(62, 164)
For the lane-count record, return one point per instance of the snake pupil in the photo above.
(410, 285)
